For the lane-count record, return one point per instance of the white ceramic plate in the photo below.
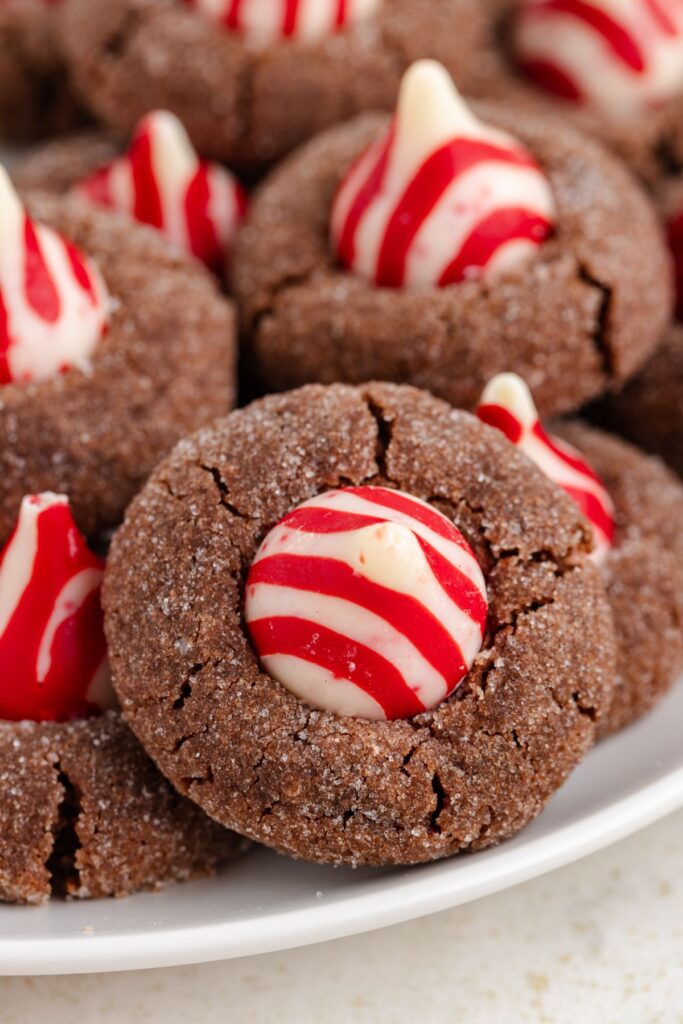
(267, 902)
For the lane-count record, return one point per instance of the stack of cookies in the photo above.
(328, 333)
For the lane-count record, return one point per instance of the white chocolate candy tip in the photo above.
(513, 393)
(429, 105)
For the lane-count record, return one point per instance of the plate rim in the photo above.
(420, 894)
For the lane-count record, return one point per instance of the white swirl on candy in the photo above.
(53, 301)
(162, 182)
(442, 197)
(367, 602)
(264, 22)
(507, 405)
(621, 57)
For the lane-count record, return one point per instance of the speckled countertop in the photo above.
(600, 941)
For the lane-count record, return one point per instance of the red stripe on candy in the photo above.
(342, 13)
(327, 520)
(621, 43)
(458, 587)
(5, 342)
(203, 239)
(502, 419)
(147, 206)
(341, 657)
(500, 228)
(40, 289)
(370, 188)
(552, 79)
(426, 188)
(404, 613)
(80, 271)
(593, 510)
(571, 459)
(661, 17)
(291, 13)
(420, 513)
(233, 14)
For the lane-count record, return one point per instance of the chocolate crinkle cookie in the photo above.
(249, 102)
(163, 366)
(643, 570)
(35, 97)
(649, 410)
(396, 774)
(575, 321)
(84, 813)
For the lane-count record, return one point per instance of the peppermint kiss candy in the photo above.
(367, 602)
(442, 197)
(507, 405)
(162, 182)
(262, 22)
(52, 648)
(53, 301)
(621, 57)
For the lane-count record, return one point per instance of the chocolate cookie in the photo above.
(84, 813)
(649, 410)
(319, 785)
(643, 571)
(165, 366)
(650, 141)
(35, 98)
(249, 107)
(578, 320)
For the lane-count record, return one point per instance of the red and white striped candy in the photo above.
(622, 57)
(53, 301)
(162, 182)
(263, 22)
(367, 602)
(442, 197)
(507, 404)
(53, 663)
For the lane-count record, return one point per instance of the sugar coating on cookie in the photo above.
(162, 182)
(441, 197)
(53, 663)
(367, 602)
(264, 22)
(620, 57)
(54, 305)
(507, 404)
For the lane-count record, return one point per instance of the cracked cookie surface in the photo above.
(579, 320)
(250, 108)
(164, 367)
(310, 783)
(84, 813)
